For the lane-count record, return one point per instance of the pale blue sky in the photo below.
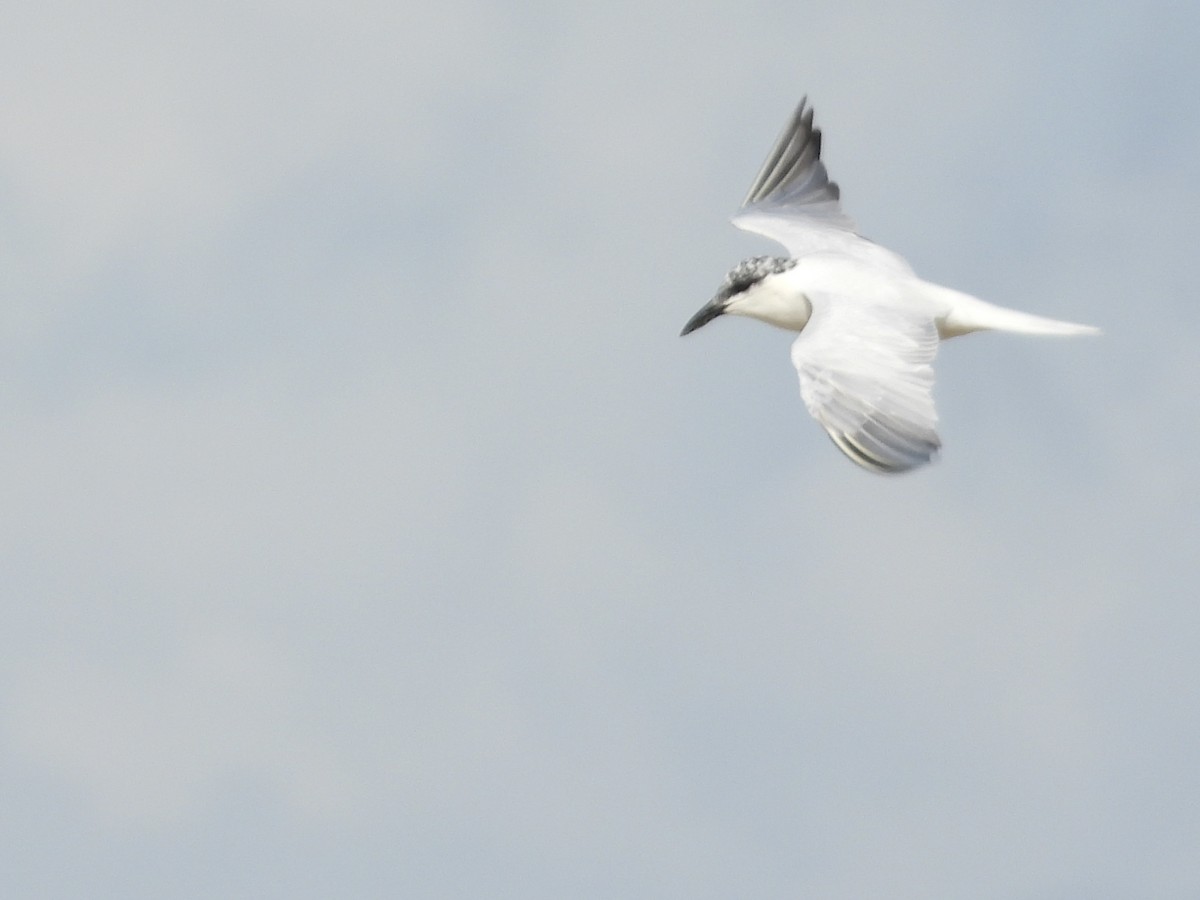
(368, 531)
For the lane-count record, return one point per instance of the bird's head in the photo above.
(748, 290)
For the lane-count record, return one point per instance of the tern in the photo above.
(869, 327)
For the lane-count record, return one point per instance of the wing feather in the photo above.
(866, 375)
(793, 201)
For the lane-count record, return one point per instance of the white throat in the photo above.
(777, 300)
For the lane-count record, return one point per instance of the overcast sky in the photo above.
(369, 532)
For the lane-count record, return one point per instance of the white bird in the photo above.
(869, 327)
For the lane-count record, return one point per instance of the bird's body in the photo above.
(869, 326)
(782, 300)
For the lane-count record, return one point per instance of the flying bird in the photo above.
(869, 327)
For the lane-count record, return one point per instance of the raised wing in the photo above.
(866, 375)
(792, 201)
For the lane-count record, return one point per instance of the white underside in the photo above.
(782, 300)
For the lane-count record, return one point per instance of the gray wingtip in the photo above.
(889, 458)
(793, 171)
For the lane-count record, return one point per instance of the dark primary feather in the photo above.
(793, 171)
(792, 201)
